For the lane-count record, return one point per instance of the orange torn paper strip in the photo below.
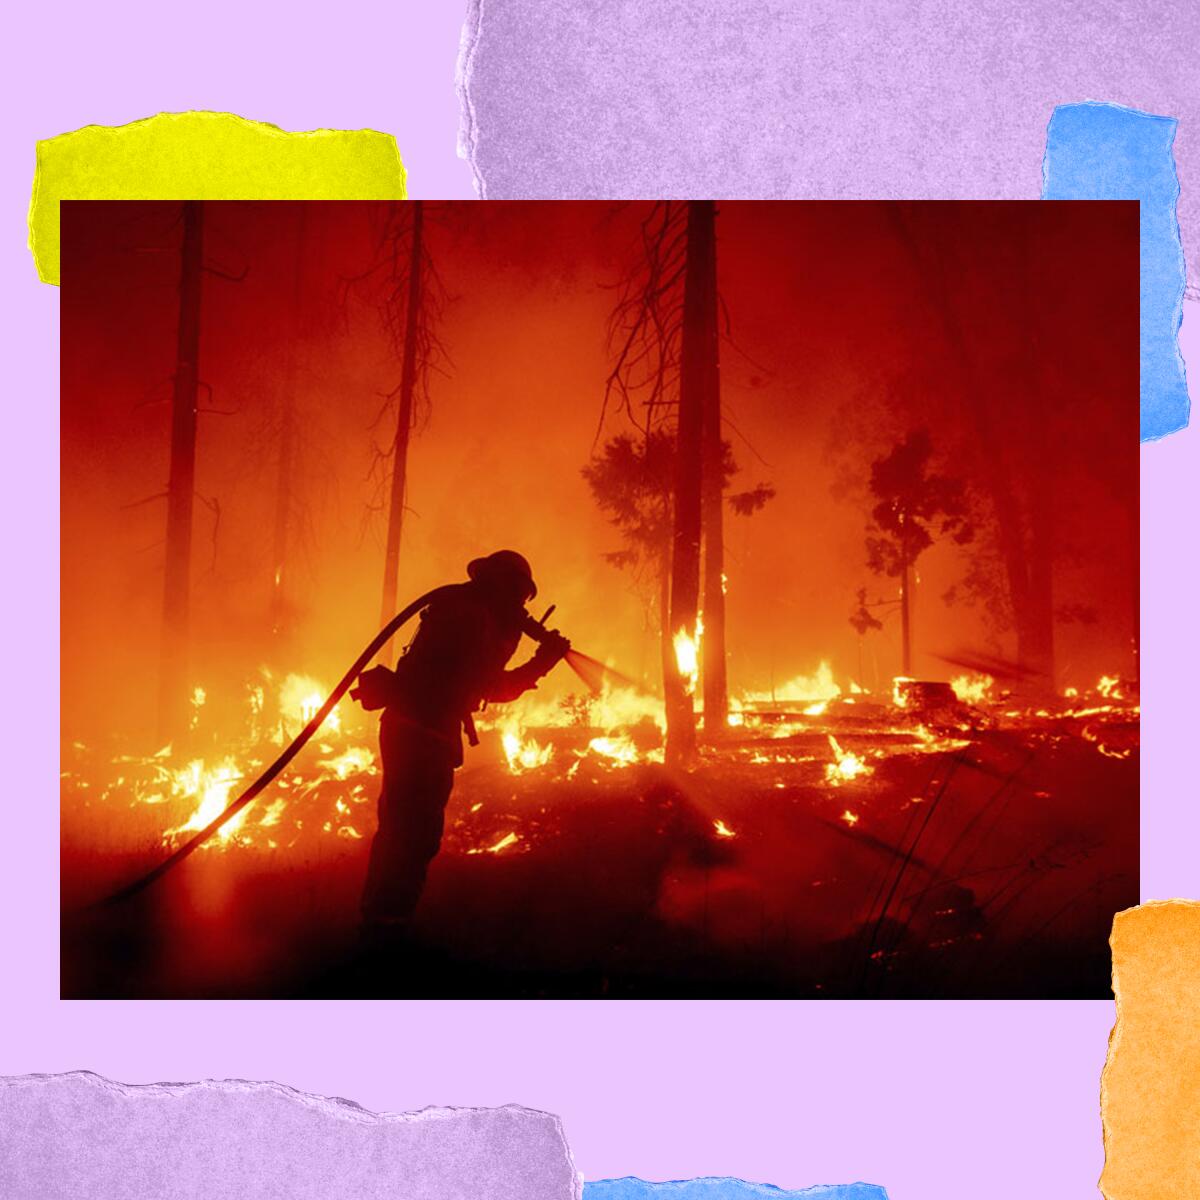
(204, 156)
(1150, 1090)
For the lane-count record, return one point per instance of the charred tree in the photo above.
(398, 454)
(404, 286)
(912, 506)
(173, 690)
(665, 380)
(288, 435)
(645, 332)
(697, 348)
(713, 656)
(632, 480)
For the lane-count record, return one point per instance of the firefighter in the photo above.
(453, 666)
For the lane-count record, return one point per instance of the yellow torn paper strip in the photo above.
(204, 156)
(1150, 1090)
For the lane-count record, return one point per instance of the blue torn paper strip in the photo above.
(1100, 151)
(723, 1189)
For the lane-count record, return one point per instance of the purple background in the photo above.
(935, 1101)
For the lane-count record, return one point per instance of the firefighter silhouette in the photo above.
(455, 663)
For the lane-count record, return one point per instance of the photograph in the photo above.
(557, 599)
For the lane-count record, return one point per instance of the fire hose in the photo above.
(587, 668)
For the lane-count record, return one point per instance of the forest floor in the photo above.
(845, 856)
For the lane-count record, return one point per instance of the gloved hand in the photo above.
(375, 689)
(552, 649)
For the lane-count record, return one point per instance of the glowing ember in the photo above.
(1109, 686)
(509, 839)
(197, 702)
(723, 830)
(899, 699)
(850, 818)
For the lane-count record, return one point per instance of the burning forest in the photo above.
(835, 503)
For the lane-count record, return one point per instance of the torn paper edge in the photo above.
(265, 128)
(817, 1190)
(1180, 257)
(330, 1106)
(464, 69)
(1115, 1036)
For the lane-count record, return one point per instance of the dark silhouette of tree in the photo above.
(913, 505)
(285, 485)
(1015, 392)
(173, 685)
(181, 486)
(631, 481)
(410, 299)
(665, 334)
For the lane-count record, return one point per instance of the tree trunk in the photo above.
(399, 455)
(905, 619)
(716, 687)
(1035, 635)
(173, 682)
(685, 546)
(664, 619)
(285, 485)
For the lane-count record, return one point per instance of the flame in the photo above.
(618, 749)
(300, 699)
(355, 760)
(211, 788)
(899, 699)
(522, 753)
(611, 732)
(819, 686)
(846, 765)
(687, 655)
(972, 688)
(614, 719)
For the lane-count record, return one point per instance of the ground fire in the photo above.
(859, 711)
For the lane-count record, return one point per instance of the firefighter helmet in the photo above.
(504, 564)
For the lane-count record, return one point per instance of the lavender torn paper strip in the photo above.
(768, 98)
(68, 1136)
(1107, 152)
(723, 1189)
